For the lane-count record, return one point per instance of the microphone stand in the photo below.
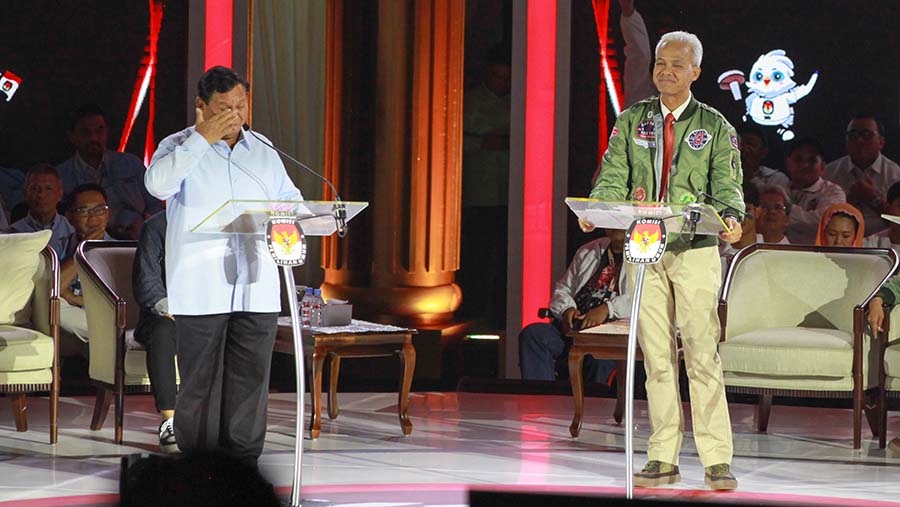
(340, 209)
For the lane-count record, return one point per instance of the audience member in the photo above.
(592, 291)
(88, 213)
(772, 214)
(841, 225)
(810, 193)
(754, 150)
(155, 328)
(637, 83)
(12, 182)
(43, 192)
(864, 173)
(890, 237)
(120, 174)
(485, 185)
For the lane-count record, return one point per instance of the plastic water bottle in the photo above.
(316, 313)
(306, 304)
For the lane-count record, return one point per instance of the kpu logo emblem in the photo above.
(285, 241)
(9, 83)
(645, 241)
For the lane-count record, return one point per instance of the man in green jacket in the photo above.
(673, 148)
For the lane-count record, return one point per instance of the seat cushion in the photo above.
(20, 258)
(892, 361)
(789, 351)
(23, 349)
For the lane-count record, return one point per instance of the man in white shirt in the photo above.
(754, 150)
(810, 193)
(772, 214)
(890, 237)
(223, 289)
(864, 173)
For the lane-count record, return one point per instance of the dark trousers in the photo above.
(224, 361)
(157, 334)
(541, 344)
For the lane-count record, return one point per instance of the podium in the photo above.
(284, 225)
(650, 226)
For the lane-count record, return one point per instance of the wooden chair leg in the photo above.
(576, 359)
(318, 362)
(19, 406)
(333, 408)
(408, 355)
(763, 408)
(882, 413)
(120, 415)
(54, 406)
(621, 367)
(101, 408)
(857, 418)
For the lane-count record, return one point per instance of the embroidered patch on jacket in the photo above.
(698, 139)
(687, 198)
(646, 130)
(734, 140)
(640, 194)
(614, 133)
(644, 143)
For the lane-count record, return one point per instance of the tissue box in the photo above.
(337, 313)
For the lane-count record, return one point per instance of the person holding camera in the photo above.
(592, 291)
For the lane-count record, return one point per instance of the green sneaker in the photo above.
(719, 477)
(657, 473)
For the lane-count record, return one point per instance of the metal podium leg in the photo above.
(299, 370)
(629, 383)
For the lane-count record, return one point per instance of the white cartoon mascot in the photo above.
(772, 91)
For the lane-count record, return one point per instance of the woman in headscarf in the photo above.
(841, 225)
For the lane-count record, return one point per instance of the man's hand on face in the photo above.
(733, 233)
(862, 191)
(218, 126)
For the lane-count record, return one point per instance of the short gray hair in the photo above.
(777, 190)
(687, 38)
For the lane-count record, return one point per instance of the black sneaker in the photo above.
(719, 477)
(657, 473)
(167, 437)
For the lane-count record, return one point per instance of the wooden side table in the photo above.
(336, 346)
(608, 341)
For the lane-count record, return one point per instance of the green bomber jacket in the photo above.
(705, 159)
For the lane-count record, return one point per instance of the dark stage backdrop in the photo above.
(72, 52)
(855, 46)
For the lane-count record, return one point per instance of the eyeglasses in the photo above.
(98, 211)
(865, 135)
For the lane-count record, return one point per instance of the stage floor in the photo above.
(462, 441)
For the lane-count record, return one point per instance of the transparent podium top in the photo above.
(619, 215)
(317, 218)
(891, 218)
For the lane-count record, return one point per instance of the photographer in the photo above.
(592, 291)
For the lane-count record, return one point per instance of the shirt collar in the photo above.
(678, 110)
(815, 187)
(39, 226)
(88, 167)
(876, 166)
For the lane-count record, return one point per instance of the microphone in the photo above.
(746, 214)
(340, 209)
(693, 216)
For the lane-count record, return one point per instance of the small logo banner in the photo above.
(9, 83)
(286, 242)
(645, 241)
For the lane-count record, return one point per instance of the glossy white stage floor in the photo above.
(462, 441)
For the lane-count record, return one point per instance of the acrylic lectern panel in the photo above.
(317, 218)
(620, 215)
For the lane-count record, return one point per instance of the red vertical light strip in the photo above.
(540, 120)
(601, 19)
(219, 29)
(146, 81)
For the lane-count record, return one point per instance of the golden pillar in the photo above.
(393, 137)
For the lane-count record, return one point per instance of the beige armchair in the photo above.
(793, 324)
(118, 363)
(29, 345)
(889, 379)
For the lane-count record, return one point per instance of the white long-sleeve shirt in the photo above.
(209, 274)
(808, 205)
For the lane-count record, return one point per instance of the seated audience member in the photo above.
(772, 214)
(749, 234)
(120, 174)
(841, 225)
(810, 193)
(864, 173)
(88, 213)
(43, 191)
(155, 329)
(890, 237)
(754, 150)
(592, 291)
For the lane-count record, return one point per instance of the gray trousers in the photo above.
(224, 362)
